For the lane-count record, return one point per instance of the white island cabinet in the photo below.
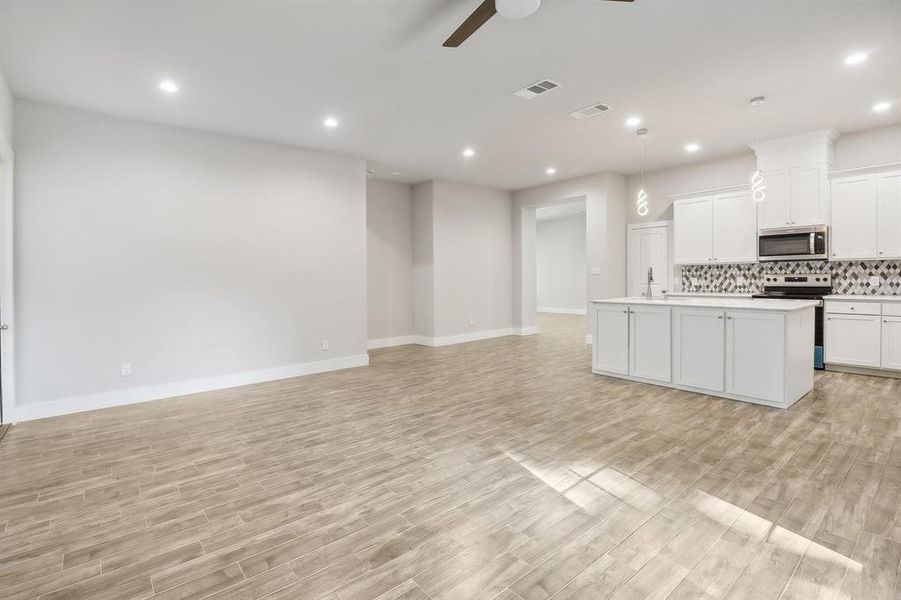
(756, 350)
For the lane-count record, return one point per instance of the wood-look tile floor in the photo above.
(498, 469)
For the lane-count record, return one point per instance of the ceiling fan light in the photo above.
(516, 9)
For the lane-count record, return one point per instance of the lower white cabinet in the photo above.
(649, 343)
(699, 348)
(610, 344)
(853, 340)
(755, 355)
(632, 341)
(891, 343)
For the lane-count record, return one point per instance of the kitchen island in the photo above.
(754, 350)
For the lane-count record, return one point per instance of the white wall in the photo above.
(203, 260)
(561, 270)
(423, 260)
(473, 267)
(6, 116)
(389, 225)
(867, 148)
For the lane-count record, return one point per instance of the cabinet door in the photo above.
(809, 200)
(854, 218)
(891, 343)
(610, 343)
(693, 230)
(775, 211)
(699, 338)
(853, 340)
(755, 351)
(734, 228)
(888, 194)
(648, 249)
(649, 343)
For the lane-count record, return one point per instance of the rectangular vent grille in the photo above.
(536, 89)
(591, 111)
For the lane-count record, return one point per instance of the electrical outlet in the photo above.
(875, 281)
(126, 370)
(324, 346)
(472, 321)
(693, 281)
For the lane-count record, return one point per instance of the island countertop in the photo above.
(709, 302)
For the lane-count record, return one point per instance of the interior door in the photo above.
(648, 249)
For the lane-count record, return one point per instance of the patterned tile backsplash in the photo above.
(848, 277)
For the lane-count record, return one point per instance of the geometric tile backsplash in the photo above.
(848, 277)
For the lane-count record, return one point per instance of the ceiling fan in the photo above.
(511, 9)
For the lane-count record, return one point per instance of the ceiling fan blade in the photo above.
(479, 17)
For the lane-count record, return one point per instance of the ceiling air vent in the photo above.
(536, 89)
(590, 111)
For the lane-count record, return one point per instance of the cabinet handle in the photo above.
(720, 317)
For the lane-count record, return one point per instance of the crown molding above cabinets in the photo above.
(796, 174)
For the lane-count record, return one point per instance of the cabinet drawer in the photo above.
(852, 308)
(891, 309)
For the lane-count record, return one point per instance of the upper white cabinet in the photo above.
(716, 228)
(795, 196)
(693, 230)
(854, 217)
(796, 173)
(866, 216)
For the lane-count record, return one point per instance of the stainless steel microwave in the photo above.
(794, 243)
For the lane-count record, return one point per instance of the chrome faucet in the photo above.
(650, 281)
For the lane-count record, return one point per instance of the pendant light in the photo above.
(641, 201)
(758, 188)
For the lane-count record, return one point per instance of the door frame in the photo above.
(7, 282)
(631, 228)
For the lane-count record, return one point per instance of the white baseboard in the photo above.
(525, 330)
(462, 338)
(562, 311)
(74, 404)
(389, 342)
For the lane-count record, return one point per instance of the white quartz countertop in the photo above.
(706, 295)
(862, 298)
(714, 302)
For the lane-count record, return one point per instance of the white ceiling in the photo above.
(274, 70)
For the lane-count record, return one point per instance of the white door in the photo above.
(854, 218)
(891, 343)
(853, 340)
(649, 343)
(755, 354)
(775, 211)
(809, 204)
(734, 228)
(649, 249)
(699, 338)
(610, 343)
(693, 225)
(888, 193)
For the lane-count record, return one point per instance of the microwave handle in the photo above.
(812, 244)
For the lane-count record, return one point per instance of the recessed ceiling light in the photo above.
(692, 147)
(856, 58)
(469, 152)
(633, 122)
(882, 106)
(168, 86)
(551, 171)
(330, 122)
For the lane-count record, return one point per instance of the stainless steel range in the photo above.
(802, 287)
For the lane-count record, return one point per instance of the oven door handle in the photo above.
(812, 244)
